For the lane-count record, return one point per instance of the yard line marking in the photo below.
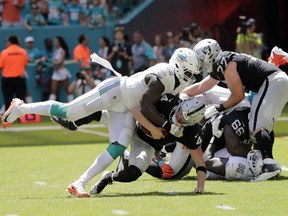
(119, 212)
(39, 128)
(11, 215)
(282, 119)
(40, 183)
(225, 207)
(284, 168)
(94, 132)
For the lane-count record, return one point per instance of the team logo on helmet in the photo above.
(181, 57)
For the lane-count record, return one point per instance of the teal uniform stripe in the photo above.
(101, 92)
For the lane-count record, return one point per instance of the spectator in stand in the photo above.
(81, 52)
(33, 53)
(171, 45)
(61, 74)
(34, 18)
(143, 55)
(56, 9)
(248, 41)
(95, 14)
(158, 48)
(44, 9)
(11, 15)
(48, 48)
(13, 75)
(110, 14)
(185, 40)
(84, 82)
(26, 9)
(119, 53)
(195, 34)
(101, 72)
(75, 14)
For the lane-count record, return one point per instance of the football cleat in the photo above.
(102, 183)
(270, 169)
(12, 113)
(278, 56)
(77, 189)
(69, 125)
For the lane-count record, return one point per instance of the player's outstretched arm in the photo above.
(197, 157)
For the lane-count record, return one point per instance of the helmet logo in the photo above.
(207, 50)
(181, 57)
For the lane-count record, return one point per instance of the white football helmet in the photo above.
(185, 63)
(255, 162)
(207, 51)
(189, 111)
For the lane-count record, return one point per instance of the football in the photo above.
(147, 132)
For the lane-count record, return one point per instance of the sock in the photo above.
(99, 165)
(28, 99)
(94, 116)
(70, 97)
(52, 97)
(264, 143)
(41, 108)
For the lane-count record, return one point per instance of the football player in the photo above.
(121, 97)
(242, 72)
(187, 113)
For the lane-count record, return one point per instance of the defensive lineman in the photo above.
(118, 96)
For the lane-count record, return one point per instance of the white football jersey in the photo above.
(133, 87)
(236, 168)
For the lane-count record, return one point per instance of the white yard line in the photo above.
(83, 129)
(284, 168)
(282, 119)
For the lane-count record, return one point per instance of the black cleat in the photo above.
(69, 125)
(102, 183)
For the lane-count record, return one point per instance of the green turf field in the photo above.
(36, 167)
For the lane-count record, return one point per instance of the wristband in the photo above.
(220, 108)
(166, 126)
(201, 168)
(160, 163)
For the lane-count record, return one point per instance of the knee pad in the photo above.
(58, 109)
(133, 173)
(115, 149)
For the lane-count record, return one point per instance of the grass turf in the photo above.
(33, 181)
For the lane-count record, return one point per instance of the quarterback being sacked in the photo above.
(187, 112)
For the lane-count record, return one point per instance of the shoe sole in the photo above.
(6, 125)
(75, 193)
(266, 176)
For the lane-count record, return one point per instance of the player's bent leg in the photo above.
(132, 173)
(105, 159)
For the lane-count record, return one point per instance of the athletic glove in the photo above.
(213, 110)
(167, 171)
(217, 132)
(174, 129)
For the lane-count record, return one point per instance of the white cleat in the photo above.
(77, 189)
(270, 169)
(12, 113)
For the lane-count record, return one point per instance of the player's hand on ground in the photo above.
(176, 130)
(157, 133)
(199, 190)
(167, 171)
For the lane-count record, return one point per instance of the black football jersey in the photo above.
(191, 138)
(237, 119)
(252, 71)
